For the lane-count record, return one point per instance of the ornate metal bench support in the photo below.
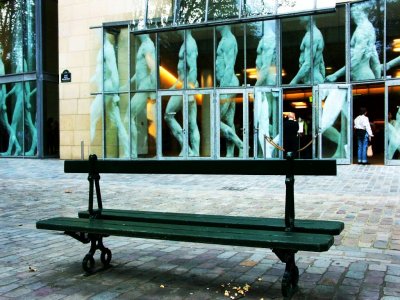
(96, 243)
(291, 276)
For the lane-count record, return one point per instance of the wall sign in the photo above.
(66, 76)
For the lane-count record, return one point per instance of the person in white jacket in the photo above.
(364, 135)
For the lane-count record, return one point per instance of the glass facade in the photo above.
(29, 124)
(224, 90)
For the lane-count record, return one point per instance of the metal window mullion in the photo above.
(384, 39)
(311, 49)
(129, 95)
(278, 34)
(146, 11)
(347, 44)
(206, 12)
(103, 96)
(175, 12)
(39, 81)
(185, 125)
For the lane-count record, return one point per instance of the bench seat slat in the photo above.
(217, 167)
(200, 234)
(307, 226)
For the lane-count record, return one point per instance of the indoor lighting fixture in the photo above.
(299, 104)
(396, 45)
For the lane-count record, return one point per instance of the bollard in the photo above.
(82, 150)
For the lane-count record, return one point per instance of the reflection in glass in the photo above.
(205, 70)
(364, 45)
(266, 122)
(231, 122)
(203, 104)
(333, 123)
(19, 119)
(266, 56)
(317, 65)
(227, 51)
(172, 59)
(107, 75)
(252, 8)
(29, 35)
(393, 124)
(223, 9)
(296, 50)
(143, 124)
(191, 11)
(51, 138)
(144, 79)
(332, 27)
(172, 127)
(393, 38)
(116, 134)
(159, 13)
(293, 6)
(139, 13)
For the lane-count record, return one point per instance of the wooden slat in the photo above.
(217, 167)
(307, 226)
(198, 234)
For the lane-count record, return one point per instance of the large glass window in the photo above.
(222, 9)
(261, 55)
(159, 13)
(366, 51)
(229, 64)
(172, 59)
(204, 39)
(393, 39)
(296, 52)
(393, 123)
(18, 120)
(332, 28)
(191, 11)
(18, 36)
(252, 8)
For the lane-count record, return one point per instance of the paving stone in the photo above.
(363, 263)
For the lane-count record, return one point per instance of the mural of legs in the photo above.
(194, 133)
(227, 115)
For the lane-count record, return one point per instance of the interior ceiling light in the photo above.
(299, 104)
(396, 45)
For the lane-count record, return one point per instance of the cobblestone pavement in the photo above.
(41, 264)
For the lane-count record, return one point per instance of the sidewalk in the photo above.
(40, 264)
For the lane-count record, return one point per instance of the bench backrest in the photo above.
(217, 167)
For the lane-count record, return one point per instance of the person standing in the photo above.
(364, 135)
(290, 131)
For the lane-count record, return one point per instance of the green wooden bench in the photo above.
(285, 236)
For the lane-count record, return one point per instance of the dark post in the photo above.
(94, 178)
(289, 181)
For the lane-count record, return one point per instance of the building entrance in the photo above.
(371, 97)
(332, 119)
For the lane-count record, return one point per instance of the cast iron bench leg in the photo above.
(96, 243)
(291, 276)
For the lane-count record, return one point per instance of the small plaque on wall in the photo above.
(66, 76)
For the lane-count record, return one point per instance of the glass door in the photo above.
(332, 119)
(266, 120)
(201, 124)
(392, 123)
(231, 125)
(172, 125)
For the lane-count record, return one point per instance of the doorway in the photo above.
(372, 97)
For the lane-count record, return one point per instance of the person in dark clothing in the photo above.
(290, 131)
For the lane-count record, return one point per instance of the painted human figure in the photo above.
(394, 135)
(393, 63)
(266, 76)
(334, 107)
(225, 74)
(175, 102)
(364, 59)
(317, 47)
(144, 79)
(110, 80)
(22, 109)
(3, 111)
